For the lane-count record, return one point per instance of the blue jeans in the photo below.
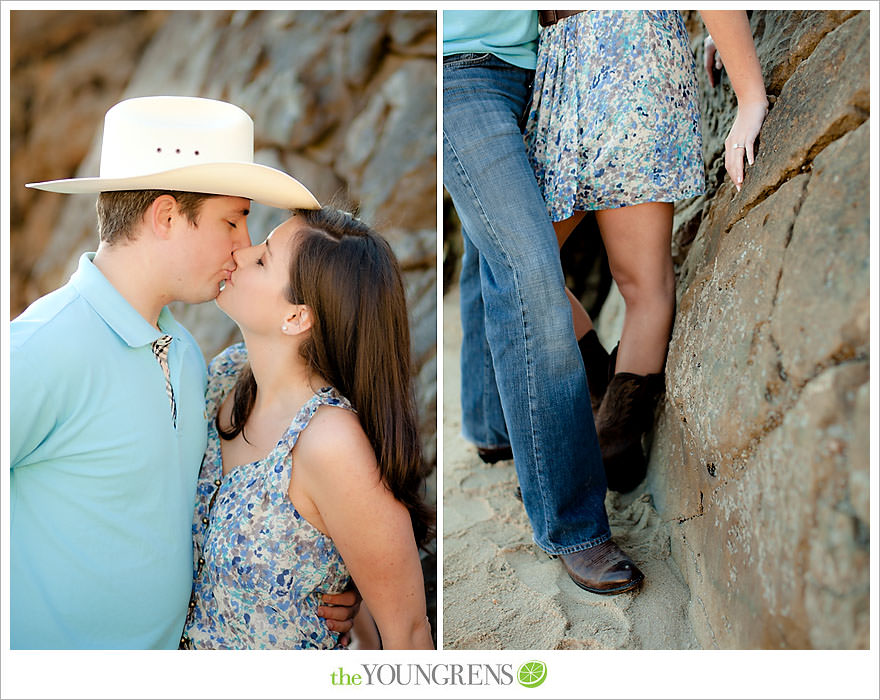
(522, 374)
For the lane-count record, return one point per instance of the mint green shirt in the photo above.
(511, 35)
(102, 485)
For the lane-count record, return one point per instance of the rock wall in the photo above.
(759, 460)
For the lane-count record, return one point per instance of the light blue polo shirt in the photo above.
(102, 485)
(511, 35)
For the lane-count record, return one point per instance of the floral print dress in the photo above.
(259, 568)
(615, 117)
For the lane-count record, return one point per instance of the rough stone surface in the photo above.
(826, 96)
(396, 132)
(784, 39)
(61, 86)
(823, 291)
(814, 108)
(811, 592)
(722, 331)
(759, 457)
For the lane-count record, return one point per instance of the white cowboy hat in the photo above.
(187, 144)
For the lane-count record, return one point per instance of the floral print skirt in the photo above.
(615, 116)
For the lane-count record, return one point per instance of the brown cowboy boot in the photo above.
(596, 360)
(627, 413)
(603, 569)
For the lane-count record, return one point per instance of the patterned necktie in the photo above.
(160, 350)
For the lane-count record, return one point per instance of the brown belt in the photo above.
(548, 17)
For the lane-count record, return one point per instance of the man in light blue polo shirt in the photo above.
(97, 511)
(524, 391)
(107, 402)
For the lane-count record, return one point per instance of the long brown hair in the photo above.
(359, 342)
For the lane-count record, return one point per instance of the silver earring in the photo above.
(284, 328)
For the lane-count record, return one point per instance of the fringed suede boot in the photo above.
(596, 359)
(627, 413)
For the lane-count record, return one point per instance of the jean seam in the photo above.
(538, 456)
(487, 359)
(539, 475)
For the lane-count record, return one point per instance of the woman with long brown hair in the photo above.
(325, 365)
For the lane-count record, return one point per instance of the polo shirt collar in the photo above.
(111, 306)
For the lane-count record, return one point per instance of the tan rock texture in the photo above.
(760, 459)
(343, 100)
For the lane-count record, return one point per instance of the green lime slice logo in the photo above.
(531, 674)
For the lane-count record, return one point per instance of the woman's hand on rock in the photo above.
(741, 139)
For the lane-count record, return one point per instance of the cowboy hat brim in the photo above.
(249, 180)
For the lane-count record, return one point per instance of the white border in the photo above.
(619, 674)
(439, 350)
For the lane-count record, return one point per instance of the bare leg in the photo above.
(637, 240)
(582, 322)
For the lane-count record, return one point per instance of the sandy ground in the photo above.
(500, 591)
